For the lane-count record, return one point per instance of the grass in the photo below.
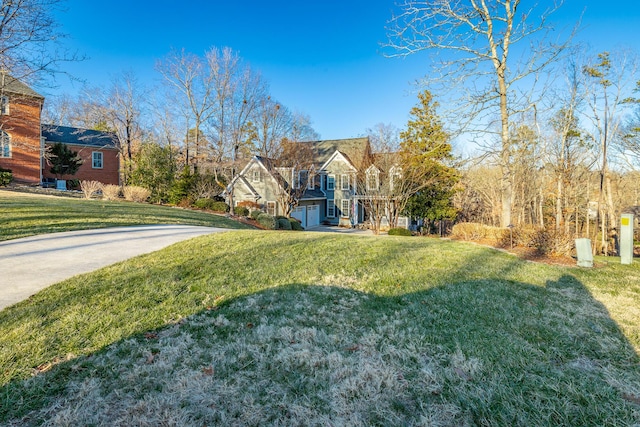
(23, 214)
(255, 328)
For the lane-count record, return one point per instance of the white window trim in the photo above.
(255, 175)
(5, 140)
(310, 181)
(344, 181)
(331, 182)
(271, 206)
(347, 203)
(331, 209)
(4, 105)
(93, 160)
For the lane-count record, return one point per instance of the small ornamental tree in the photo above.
(63, 160)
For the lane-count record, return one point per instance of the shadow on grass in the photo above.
(483, 352)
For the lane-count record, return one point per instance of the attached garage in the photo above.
(308, 215)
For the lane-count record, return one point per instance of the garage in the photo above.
(300, 213)
(313, 216)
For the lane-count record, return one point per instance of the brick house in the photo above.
(24, 140)
(98, 150)
(21, 147)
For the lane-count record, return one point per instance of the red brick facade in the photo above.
(108, 174)
(22, 124)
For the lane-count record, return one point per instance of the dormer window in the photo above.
(256, 176)
(395, 174)
(373, 180)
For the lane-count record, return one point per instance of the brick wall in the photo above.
(109, 174)
(23, 126)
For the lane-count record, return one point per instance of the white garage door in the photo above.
(313, 216)
(300, 213)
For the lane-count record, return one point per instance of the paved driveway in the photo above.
(33, 263)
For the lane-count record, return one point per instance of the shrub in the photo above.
(204, 203)
(266, 221)
(133, 193)
(241, 211)
(399, 232)
(284, 224)
(255, 214)
(90, 188)
(73, 184)
(6, 176)
(475, 231)
(110, 192)
(295, 224)
(219, 207)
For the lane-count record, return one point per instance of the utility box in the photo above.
(626, 239)
(585, 255)
(61, 184)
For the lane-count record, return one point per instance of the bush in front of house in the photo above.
(6, 176)
(267, 221)
(90, 188)
(219, 207)
(295, 225)
(255, 214)
(204, 203)
(284, 224)
(133, 193)
(399, 232)
(241, 211)
(110, 192)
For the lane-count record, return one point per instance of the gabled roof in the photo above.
(356, 150)
(337, 155)
(12, 85)
(77, 136)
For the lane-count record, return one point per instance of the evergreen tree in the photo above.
(63, 160)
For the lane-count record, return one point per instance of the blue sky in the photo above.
(321, 57)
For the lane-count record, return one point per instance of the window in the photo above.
(395, 175)
(271, 208)
(4, 105)
(331, 182)
(310, 182)
(372, 181)
(346, 203)
(331, 209)
(96, 160)
(256, 176)
(303, 178)
(345, 182)
(5, 144)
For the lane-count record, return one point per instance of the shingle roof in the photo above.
(357, 150)
(77, 136)
(12, 85)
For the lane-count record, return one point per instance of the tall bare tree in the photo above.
(487, 47)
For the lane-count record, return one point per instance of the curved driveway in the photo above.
(30, 264)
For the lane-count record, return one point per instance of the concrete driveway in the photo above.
(30, 264)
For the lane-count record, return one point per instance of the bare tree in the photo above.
(612, 81)
(30, 39)
(384, 138)
(193, 79)
(476, 39)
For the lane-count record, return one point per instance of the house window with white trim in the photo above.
(303, 179)
(271, 208)
(373, 183)
(96, 160)
(331, 182)
(345, 182)
(256, 175)
(4, 105)
(5, 144)
(395, 174)
(311, 181)
(331, 209)
(346, 204)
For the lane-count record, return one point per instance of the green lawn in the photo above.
(284, 328)
(24, 214)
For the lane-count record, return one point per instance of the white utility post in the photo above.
(626, 239)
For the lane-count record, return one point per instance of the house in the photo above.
(21, 148)
(97, 149)
(330, 190)
(24, 140)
